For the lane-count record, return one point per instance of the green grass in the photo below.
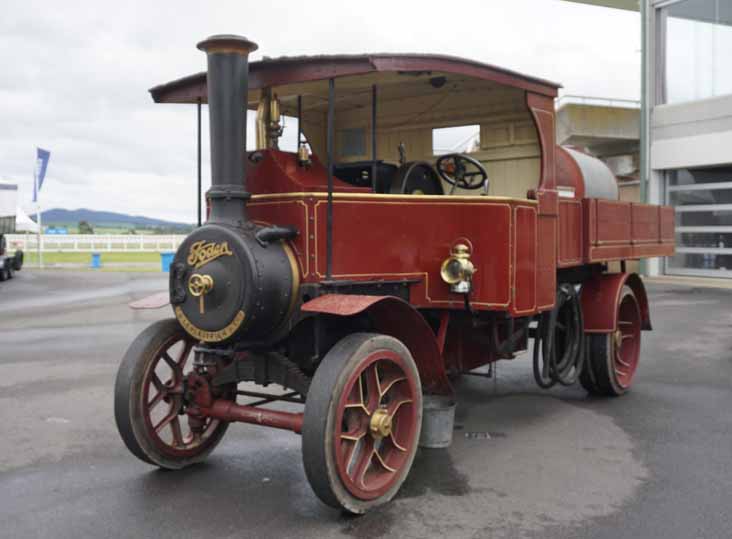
(84, 259)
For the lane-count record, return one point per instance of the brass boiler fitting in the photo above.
(200, 285)
(457, 270)
(269, 129)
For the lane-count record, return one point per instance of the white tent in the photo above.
(23, 223)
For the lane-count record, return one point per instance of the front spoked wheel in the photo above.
(363, 416)
(149, 403)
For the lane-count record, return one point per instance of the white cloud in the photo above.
(75, 76)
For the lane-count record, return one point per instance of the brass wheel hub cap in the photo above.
(380, 424)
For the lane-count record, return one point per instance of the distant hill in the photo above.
(59, 216)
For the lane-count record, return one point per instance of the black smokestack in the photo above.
(228, 84)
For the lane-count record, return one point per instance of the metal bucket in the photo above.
(438, 420)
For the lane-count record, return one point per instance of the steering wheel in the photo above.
(462, 171)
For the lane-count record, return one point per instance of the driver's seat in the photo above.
(416, 178)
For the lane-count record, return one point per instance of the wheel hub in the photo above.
(380, 424)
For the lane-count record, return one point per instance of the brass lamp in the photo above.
(457, 270)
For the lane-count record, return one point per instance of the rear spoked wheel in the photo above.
(149, 403)
(613, 358)
(363, 416)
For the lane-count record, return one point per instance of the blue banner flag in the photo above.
(42, 157)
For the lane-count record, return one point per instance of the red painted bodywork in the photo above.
(600, 297)
(396, 318)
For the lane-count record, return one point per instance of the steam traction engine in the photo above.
(366, 281)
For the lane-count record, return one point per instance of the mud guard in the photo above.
(600, 296)
(394, 317)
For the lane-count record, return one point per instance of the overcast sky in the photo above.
(74, 76)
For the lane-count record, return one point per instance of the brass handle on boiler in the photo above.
(200, 285)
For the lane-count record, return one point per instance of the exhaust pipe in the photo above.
(228, 86)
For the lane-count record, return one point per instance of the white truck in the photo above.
(9, 263)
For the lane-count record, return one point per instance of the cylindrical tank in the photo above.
(598, 179)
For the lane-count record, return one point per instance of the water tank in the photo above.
(598, 179)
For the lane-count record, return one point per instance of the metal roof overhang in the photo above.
(300, 69)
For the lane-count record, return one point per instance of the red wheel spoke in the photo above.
(356, 397)
(156, 400)
(393, 407)
(356, 434)
(170, 416)
(396, 444)
(169, 360)
(389, 383)
(162, 391)
(623, 363)
(381, 461)
(185, 353)
(157, 383)
(373, 388)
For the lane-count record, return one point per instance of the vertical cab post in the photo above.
(329, 143)
(374, 166)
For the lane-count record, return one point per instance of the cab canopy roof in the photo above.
(290, 76)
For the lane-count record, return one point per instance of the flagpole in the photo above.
(40, 236)
(42, 157)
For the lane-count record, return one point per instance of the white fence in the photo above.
(85, 243)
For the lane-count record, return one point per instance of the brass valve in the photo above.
(200, 285)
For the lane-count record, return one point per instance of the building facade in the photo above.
(686, 127)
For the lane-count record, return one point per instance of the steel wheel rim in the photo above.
(375, 425)
(626, 345)
(169, 433)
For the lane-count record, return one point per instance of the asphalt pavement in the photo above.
(524, 462)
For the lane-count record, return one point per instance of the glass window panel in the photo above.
(693, 176)
(701, 240)
(698, 47)
(699, 261)
(700, 197)
(704, 218)
(459, 139)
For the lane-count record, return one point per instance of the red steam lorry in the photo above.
(363, 272)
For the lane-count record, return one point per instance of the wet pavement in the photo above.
(524, 462)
